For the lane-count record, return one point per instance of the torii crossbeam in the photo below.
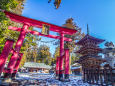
(38, 24)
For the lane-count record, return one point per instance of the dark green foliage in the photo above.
(15, 6)
(8, 4)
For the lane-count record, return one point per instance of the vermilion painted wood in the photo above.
(12, 51)
(61, 53)
(39, 34)
(14, 57)
(66, 61)
(4, 55)
(14, 28)
(18, 63)
(36, 23)
(50, 36)
(57, 65)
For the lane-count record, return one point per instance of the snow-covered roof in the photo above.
(72, 68)
(75, 64)
(36, 65)
(108, 50)
(103, 64)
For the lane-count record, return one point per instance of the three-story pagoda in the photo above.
(89, 51)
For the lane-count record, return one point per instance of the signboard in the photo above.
(45, 29)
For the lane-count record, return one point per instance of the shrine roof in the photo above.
(39, 24)
(36, 65)
(78, 67)
(88, 37)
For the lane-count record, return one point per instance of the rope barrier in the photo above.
(55, 42)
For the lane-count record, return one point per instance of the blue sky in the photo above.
(99, 14)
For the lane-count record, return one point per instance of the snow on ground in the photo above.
(39, 79)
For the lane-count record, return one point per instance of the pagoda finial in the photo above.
(87, 29)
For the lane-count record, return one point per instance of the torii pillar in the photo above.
(15, 55)
(4, 55)
(61, 56)
(16, 67)
(67, 66)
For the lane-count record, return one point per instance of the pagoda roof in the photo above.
(86, 49)
(88, 37)
(90, 56)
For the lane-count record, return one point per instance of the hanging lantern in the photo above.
(45, 29)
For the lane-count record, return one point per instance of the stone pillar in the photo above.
(17, 65)
(14, 56)
(4, 55)
(61, 56)
(67, 64)
(57, 67)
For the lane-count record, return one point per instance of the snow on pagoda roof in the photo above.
(103, 64)
(108, 50)
(88, 37)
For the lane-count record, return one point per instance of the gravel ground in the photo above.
(34, 79)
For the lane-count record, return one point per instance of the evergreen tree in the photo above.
(43, 52)
(9, 5)
(15, 6)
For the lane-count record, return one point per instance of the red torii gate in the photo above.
(27, 22)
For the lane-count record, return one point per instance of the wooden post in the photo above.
(92, 76)
(88, 75)
(14, 57)
(97, 76)
(4, 55)
(108, 75)
(61, 56)
(57, 67)
(101, 74)
(104, 71)
(84, 74)
(111, 76)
